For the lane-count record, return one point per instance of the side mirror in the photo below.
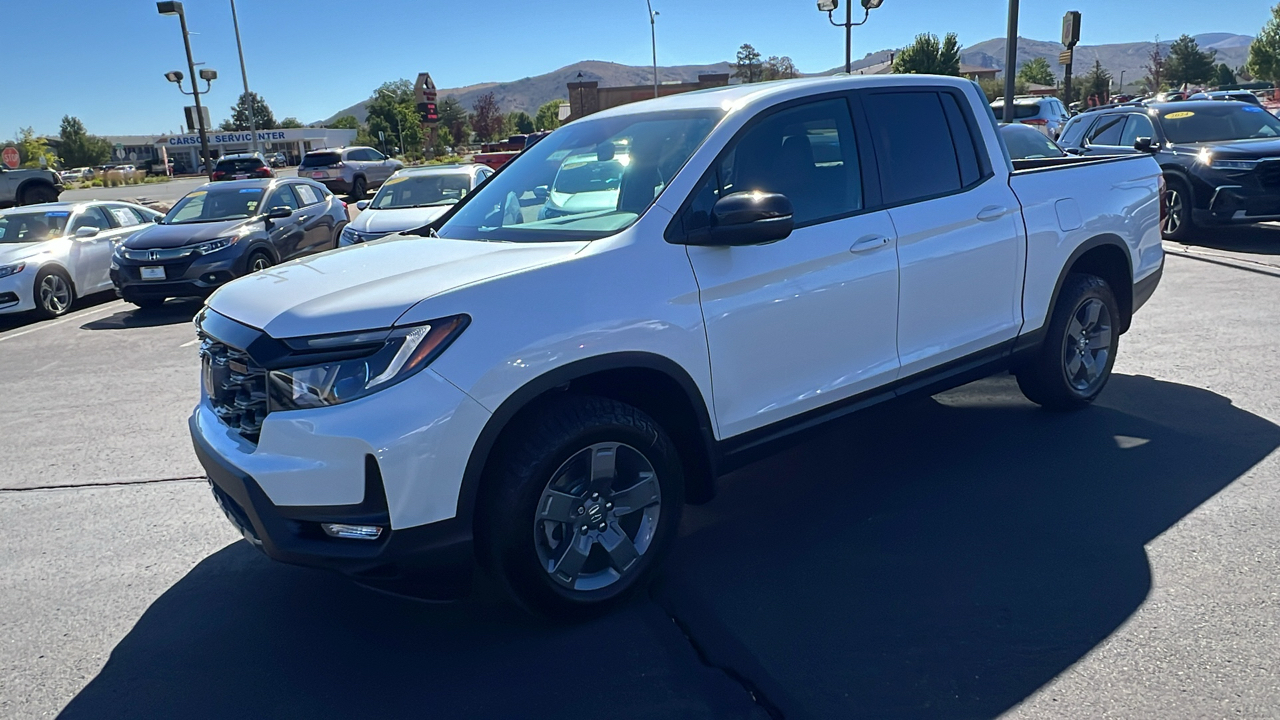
(1145, 144)
(748, 218)
(362, 205)
(279, 212)
(540, 192)
(86, 232)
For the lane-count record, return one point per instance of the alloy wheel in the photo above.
(1087, 348)
(261, 262)
(1173, 217)
(597, 517)
(55, 294)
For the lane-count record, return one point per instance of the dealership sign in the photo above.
(228, 138)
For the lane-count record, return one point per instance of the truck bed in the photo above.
(1037, 164)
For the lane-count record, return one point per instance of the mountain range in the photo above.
(530, 93)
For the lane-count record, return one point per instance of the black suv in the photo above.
(1221, 160)
(241, 167)
(222, 231)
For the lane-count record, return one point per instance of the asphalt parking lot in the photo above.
(962, 556)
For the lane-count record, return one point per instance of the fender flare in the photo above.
(1031, 341)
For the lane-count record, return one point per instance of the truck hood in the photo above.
(1236, 149)
(371, 285)
(158, 237)
(396, 219)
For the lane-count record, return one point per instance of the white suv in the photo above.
(542, 393)
(351, 171)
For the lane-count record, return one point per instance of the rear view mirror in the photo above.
(1145, 144)
(86, 232)
(279, 212)
(540, 192)
(605, 151)
(748, 218)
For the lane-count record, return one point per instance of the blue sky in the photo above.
(104, 60)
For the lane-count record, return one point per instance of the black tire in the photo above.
(36, 194)
(53, 292)
(358, 187)
(1061, 376)
(1179, 223)
(258, 260)
(150, 303)
(536, 459)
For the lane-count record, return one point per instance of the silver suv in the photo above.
(348, 171)
(1046, 114)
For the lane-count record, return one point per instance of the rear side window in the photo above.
(962, 137)
(358, 155)
(1074, 132)
(913, 144)
(1107, 131)
(125, 217)
(307, 195)
(321, 159)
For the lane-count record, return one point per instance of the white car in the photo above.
(584, 183)
(412, 198)
(541, 397)
(53, 253)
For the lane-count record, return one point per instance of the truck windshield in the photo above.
(614, 167)
(1219, 122)
(421, 191)
(27, 227)
(215, 205)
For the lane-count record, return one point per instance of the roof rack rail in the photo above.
(1131, 103)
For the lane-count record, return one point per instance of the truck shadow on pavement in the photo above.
(944, 558)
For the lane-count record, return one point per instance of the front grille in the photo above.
(1269, 173)
(237, 386)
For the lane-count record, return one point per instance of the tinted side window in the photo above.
(1107, 131)
(913, 145)
(355, 155)
(1136, 127)
(283, 196)
(807, 153)
(374, 155)
(962, 137)
(1074, 132)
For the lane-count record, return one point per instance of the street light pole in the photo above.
(653, 35)
(1011, 61)
(253, 127)
(172, 7)
(830, 6)
(1121, 92)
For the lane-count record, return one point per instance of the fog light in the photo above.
(354, 532)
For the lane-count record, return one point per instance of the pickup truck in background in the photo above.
(539, 394)
(28, 187)
(495, 155)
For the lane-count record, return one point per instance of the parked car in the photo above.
(352, 171)
(241, 167)
(584, 183)
(412, 198)
(1046, 114)
(1027, 143)
(539, 395)
(277, 160)
(1221, 160)
(53, 253)
(225, 230)
(1243, 96)
(28, 186)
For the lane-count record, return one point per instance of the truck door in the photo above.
(961, 248)
(809, 320)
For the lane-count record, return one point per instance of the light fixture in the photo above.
(169, 8)
(174, 76)
(208, 74)
(828, 5)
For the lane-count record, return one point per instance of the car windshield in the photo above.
(1021, 111)
(408, 191)
(631, 156)
(1027, 144)
(28, 227)
(214, 205)
(1219, 122)
(323, 159)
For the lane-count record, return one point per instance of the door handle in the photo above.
(870, 242)
(992, 212)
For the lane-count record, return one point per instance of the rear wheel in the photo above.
(38, 194)
(1178, 223)
(53, 293)
(358, 187)
(585, 501)
(1074, 362)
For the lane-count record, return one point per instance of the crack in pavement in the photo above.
(105, 483)
(757, 696)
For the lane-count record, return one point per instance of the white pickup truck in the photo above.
(539, 393)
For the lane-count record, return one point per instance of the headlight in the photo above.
(392, 356)
(7, 270)
(215, 245)
(350, 236)
(1233, 164)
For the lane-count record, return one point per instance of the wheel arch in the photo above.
(264, 245)
(51, 265)
(30, 183)
(656, 385)
(1107, 257)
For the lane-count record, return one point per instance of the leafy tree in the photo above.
(393, 111)
(749, 68)
(548, 116)
(454, 117)
(290, 122)
(780, 68)
(32, 147)
(444, 139)
(928, 56)
(263, 119)
(346, 122)
(487, 119)
(1264, 53)
(1156, 79)
(1096, 83)
(994, 88)
(1225, 76)
(1037, 71)
(78, 147)
(1188, 64)
(520, 122)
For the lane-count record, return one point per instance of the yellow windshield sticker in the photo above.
(1179, 115)
(393, 181)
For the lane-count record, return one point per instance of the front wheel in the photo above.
(1074, 363)
(1178, 223)
(584, 503)
(54, 293)
(259, 260)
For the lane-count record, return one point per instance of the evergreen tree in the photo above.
(80, 149)
(1264, 53)
(548, 116)
(263, 119)
(1188, 64)
(749, 68)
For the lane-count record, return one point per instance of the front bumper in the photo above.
(183, 278)
(1239, 205)
(17, 291)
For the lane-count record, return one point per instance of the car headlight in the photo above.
(385, 357)
(1233, 164)
(350, 236)
(215, 245)
(7, 270)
